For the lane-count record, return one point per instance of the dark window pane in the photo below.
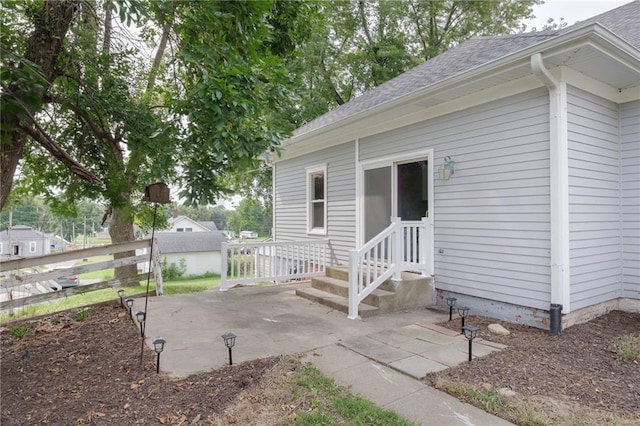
(318, 186)
(318, 215)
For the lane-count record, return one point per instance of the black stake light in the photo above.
(229, 342)
(140, 316)
(129, 303)
(158, 346)
(451, 302)
(470, 332)
(121, 294)
(463, 311)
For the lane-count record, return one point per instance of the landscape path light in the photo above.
(229, 342)
(158, 347)
(140, 316)
(463, 311)
(121, 294)
(451, 302)
(470, 332)
(129, 303)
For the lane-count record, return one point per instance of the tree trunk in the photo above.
(121, 231)
(43, 48)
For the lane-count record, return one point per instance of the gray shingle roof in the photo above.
(472, 53)
(189, 242)
(623, 21)
(22, 233)
(209, 224)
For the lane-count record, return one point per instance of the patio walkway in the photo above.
(379, 358)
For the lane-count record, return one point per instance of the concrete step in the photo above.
(339, 272)
(336, 302)
(379, 298)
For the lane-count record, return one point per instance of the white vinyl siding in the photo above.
(492, 217)
(630, 177)
(594, 199)
(290, 177)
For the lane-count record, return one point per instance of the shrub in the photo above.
(173, 271)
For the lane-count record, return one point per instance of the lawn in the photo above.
(183, 285)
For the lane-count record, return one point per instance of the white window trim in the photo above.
(33, 247)
(309, 171)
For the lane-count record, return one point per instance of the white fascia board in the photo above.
(597, 34)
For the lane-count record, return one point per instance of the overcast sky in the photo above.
(571, 10)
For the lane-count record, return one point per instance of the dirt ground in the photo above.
(579, 370)
(70, 370)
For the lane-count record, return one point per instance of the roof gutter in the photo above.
(559, 190)
(627, 52)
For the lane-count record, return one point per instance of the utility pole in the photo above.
(84, 233)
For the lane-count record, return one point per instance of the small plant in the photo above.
(81, 315)
(18, 330)
(628, 348)
(173, 271)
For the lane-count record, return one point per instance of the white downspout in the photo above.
(559, 155)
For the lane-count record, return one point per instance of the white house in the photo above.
(186, 224)
(24, 241)
(523, 153)
(199, 251)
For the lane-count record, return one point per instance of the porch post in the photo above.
(223, 266)
(397, 253)
(353, 284)
(425, 247)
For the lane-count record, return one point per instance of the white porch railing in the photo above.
(244, 263)
(402, 246)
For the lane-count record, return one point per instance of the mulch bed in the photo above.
(580, 365)
(66, 372)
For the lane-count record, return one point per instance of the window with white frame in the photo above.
(1, 252)
(317, 200)
(32, 246)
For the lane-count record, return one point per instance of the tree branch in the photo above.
(40, 135)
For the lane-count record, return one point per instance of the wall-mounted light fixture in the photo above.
(446, 168)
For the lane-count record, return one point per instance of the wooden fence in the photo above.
(25, 281)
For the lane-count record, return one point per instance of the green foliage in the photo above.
(82, 314)
(250, 215)
(173, 271)
(199, 115)
(359, 45)
(628, 348)
(18, 330)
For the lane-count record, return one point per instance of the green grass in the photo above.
(99, 296)
(332, 404)
(18, 330)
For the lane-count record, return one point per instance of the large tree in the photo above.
(75, 87)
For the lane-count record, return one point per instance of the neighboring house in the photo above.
(185, 224)
(24, 241)
(539, 137)
(200, 250)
